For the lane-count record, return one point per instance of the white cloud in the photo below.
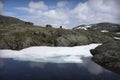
(56, 17)
(34, 7)
(62, 3)
(91, 11)
(37, 5)
(1, 7)
(56, 14)
(94, 11)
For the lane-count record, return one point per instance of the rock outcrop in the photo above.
(108, 56)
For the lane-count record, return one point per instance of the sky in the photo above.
(66, 13)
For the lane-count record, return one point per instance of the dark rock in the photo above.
(61, 27)
(55, 42)
(108, 56)
(49, 26)
(29, 23)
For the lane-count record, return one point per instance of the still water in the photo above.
(25, 70)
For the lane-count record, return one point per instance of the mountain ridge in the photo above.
(103, 26)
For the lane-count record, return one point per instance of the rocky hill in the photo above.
(18, 35)
(11, 20)
(103, 27)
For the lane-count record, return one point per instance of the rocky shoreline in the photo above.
(108, 56)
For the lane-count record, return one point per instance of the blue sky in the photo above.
(68, 13)
(10, 5)
(18, 3)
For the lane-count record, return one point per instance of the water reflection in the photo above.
(1, 63)
(21, 70)
(92, 67)
(37, 65)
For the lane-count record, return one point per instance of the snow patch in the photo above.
(88, 26)
(50, 54)
(116, 38)
(118, 33)
(83, 27)
(104, 31)
(114, 26)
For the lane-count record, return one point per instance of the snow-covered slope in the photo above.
(50, 54)
(116, 38)
(83, 27)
